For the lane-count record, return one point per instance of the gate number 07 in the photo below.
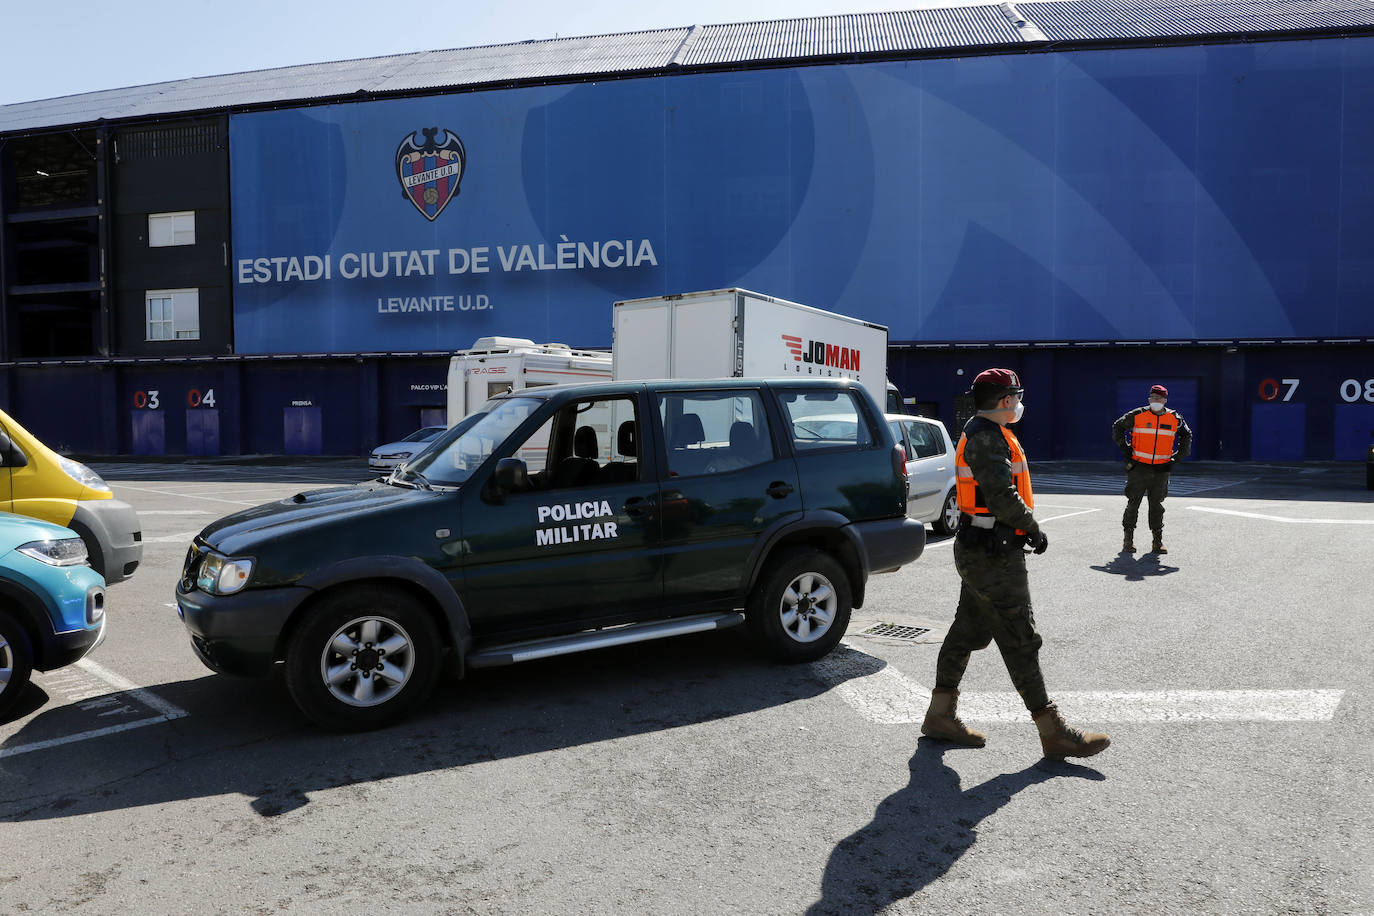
(1269, 389)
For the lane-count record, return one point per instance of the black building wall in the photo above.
(166, 168)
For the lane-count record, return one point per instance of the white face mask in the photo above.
(1016, 414)
(1157, 407)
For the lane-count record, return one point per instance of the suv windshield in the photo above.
(450, 463)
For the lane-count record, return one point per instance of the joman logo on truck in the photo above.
(821, 353)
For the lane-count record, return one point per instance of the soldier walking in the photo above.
(1159, 437)
(993, 486)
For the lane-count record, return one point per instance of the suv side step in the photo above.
(510, 653)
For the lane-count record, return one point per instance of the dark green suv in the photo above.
(556, 520)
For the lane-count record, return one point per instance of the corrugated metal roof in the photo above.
(1082, 20)
(700, 46)
(858, 33)
(529, 60)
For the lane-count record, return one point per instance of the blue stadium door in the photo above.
(149, 432)
(202, 431)
(1278, 432)
(1354, 431)
(303, 430)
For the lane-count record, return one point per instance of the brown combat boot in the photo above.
(1059, 740)
(1128, 541)
(1158, 546)
(942, 720)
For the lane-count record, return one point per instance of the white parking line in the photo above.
(167, 712)
(1280, 518)
(213, 499)
(948, 541)
(184, 538)
(887, 697)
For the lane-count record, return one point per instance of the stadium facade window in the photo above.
(168, 229)
(173, 314)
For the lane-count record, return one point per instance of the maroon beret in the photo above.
(1159, 390)
(1002, 378)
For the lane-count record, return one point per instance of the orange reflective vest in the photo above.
(1152, 439)
(970, 495)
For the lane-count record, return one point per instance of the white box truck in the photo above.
(494, 365)
(731, 333)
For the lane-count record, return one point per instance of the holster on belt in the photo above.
(1005, 539)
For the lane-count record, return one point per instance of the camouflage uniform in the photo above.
(1147, 480)
(994, 600)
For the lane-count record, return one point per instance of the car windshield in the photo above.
(453, 457)
(424, 435)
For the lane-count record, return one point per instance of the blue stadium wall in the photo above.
(1045, 211)
(1184, 193)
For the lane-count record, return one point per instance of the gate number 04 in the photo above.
(1269, 389)
(195, 399)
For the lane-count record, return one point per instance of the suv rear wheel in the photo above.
(362, 658)
(16, 663)
(800, 609)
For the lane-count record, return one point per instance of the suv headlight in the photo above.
(62, 552)
(82, 474)
(223, 575)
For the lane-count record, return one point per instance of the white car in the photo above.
(930, 496)
(386, 457)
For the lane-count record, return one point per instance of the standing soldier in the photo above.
(1159, 437)
(993, 486)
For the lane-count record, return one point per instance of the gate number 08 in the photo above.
(1352, 390)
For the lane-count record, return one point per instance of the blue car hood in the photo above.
(21, 529)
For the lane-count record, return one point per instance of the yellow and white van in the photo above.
(38, 482)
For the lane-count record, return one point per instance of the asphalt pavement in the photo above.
(689, 776)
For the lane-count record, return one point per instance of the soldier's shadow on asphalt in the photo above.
(245, 737)
(1136, 569)
(921, 830)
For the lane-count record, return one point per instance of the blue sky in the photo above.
(99, 44)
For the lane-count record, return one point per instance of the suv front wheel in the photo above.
(800, 609)
(362, 658)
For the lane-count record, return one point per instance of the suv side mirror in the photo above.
(511, 477)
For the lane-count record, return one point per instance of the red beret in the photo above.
(1002, 378)
(1159, 390)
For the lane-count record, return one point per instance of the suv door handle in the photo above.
(639, 507)
(778, 489)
